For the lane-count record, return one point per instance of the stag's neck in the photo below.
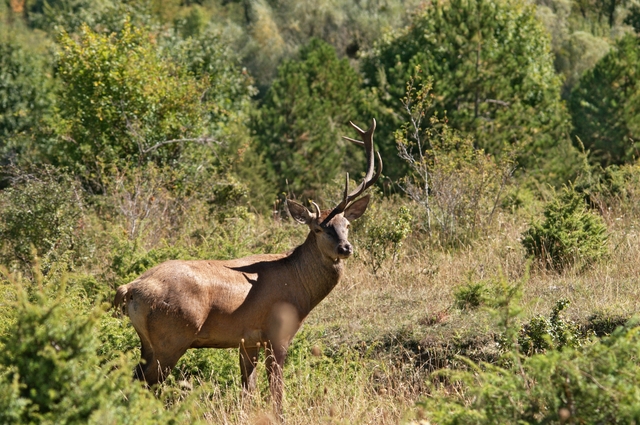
(316, 273)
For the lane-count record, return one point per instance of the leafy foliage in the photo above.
(122, 100)
(605, 104)
(68, 14)
(207, 55)
(553, 332)
(303, 115)
(482, 79)
(273, 31)
(458, 186)
(380, 235)
(24, 86)
(570, 234)
(581, 380)
(633, 18)
(25, 93)
(50, 371)
(471, 295)
(596, 383)
(579, 35)
(41, 215)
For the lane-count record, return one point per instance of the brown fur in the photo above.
(251, 303)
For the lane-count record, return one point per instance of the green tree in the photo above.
(52, 15)
(24, 86)
(208, 56)
(605, 105)
(492, 70)
(303, 115)
(25, 90)
(122, 100)
(40, 214)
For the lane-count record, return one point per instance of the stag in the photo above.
(253, 303)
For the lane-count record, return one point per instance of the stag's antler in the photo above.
(369, 178)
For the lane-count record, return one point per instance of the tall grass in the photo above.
(367, 353)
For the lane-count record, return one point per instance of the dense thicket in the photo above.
(605, 104)
(492, 70)
(136, 131)
(302, 116)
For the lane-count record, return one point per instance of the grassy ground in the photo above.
(365, 353)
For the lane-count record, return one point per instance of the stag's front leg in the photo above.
(275, 356)
(248, 359)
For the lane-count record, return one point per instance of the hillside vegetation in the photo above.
(495, 273)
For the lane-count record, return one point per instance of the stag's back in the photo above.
(193, 289)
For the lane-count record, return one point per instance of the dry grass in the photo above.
(365, 353)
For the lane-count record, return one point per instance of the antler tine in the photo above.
(359, 130)
(317, 208)
(357, 142)
(346, 187)
(370, 178)
(367, 141)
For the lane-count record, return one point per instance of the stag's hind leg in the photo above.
(160, 365)
(169, 340)
(248, 359)
(163, 343)
(146, 358)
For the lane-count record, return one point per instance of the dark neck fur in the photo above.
(317, 273)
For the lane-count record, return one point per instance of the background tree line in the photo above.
(261, 90)
(135, 131)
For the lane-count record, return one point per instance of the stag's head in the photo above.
(331, 227)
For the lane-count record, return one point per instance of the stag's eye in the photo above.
(317, 230)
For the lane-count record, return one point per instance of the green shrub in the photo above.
(458, 186)
(553, 332)
(471, 295)
(616, 186)
(583, 381)
(569, 234)
(380, 234)
(41, 215)
(594, 384)
(50, 371)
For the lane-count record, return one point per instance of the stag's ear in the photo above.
(356, 209)
(299, 212)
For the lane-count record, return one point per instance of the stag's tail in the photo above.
(119, 300)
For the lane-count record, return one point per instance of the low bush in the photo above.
(596, 383)
(548, 372)
(553, 332)
(41, 215)
(379, 235)
(471, 295)
(51, 372)
(569, 234)
(458, 185)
